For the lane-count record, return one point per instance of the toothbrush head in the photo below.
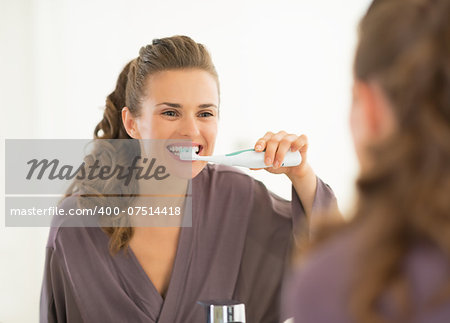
(187, 153)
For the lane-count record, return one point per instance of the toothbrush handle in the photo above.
(253, 159)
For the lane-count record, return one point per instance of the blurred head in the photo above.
(372, 119)
(400, 69)
(171, 91)
(400, 122)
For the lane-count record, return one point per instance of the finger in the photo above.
(301, 143)
(272, 146)
(261, 143)
(256, 168)
(283, 148)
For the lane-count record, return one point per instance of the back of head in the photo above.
(404, 46)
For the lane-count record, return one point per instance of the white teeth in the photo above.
(177, 149)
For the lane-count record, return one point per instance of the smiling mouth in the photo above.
(176, 149)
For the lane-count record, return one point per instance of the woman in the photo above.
(241, 233)
(391, 262)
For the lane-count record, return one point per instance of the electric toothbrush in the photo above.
(245, 158)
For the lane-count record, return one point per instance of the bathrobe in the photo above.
(317, 291)
(238, 248)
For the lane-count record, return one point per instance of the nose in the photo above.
(188, 127)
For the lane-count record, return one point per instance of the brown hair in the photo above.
(404, 45)
(171, 53)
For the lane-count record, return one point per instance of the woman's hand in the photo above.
(302, 176)
(277, 145)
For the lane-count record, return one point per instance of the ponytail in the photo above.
(111, 126)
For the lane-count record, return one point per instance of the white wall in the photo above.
(282, 65)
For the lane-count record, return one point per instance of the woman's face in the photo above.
(181, 104)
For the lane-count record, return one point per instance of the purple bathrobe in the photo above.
(237, 248)
(318, 290)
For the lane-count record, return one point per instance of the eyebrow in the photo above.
(179, 106)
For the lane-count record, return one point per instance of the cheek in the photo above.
(209, 132)
(154, 127)
(353, 122)
(213, 130)
(144, 128)
(357, 128)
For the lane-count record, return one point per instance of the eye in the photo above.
(205, 114)
(170, 113)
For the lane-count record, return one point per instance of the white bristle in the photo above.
(186, 151)
(187, 154)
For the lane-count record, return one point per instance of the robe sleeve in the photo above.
(57, 301)
(324, 203)
(47, 310)
(273, 224)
